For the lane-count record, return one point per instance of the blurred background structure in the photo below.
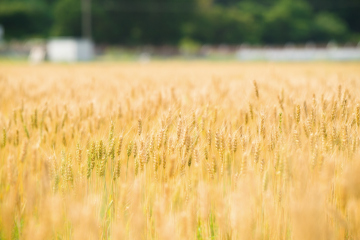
(201, 28)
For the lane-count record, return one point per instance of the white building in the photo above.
(70, 50)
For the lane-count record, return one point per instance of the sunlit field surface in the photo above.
(180, 150)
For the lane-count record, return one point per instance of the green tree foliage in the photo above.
(347, 10)
(329, 26)
(226, 25)
(159, 22)
(67, 16)
(24, 19)
(288, 21)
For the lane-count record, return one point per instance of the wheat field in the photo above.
(180, 150)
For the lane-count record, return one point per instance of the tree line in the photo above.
(157, 22)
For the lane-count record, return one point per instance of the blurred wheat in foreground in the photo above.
(180, 151)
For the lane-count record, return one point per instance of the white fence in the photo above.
(299, 54)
